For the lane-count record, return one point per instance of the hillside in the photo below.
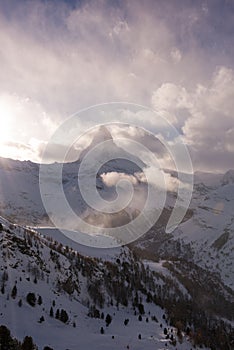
(87, 289)
(62, 279)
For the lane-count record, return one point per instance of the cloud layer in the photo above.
(173, 56)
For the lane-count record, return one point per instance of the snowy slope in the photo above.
(19, 190)
(25, 256)
(210, 232)
(206, 236)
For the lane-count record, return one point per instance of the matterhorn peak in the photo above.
(101, 135)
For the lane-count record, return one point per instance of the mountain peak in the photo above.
(102, 135)
(119, 159)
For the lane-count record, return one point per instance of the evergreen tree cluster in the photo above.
(62, 315)
(7, 342)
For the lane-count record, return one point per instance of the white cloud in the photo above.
(112, 178)
(173, 99)
(205, 116)
(152, 176)
(56, 59)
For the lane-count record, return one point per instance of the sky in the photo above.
(175, 57)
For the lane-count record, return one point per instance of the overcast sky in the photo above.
(57, 57)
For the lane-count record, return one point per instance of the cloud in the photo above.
(21, 151)
(58, 58)
(139, 135)
(112, 178)
(152, 176)
(205, 116)
(210, 124)
(172, 98)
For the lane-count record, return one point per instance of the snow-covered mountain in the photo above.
(206, 237)
(189, 272)
(120, 159)
(20, 198)
(209, 232)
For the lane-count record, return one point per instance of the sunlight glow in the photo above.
(5, 121)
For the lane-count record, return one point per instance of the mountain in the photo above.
(207, 230)
(119, 158)
(206, 237)
(19, 191)
(211, 212)
(20, 198)
(189, 272)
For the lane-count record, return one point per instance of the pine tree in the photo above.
(14, 292)
(108, 320)
(31, 299)
(141, 309)
(39, 300)
(5, 276)
(51, 312)
(28, 344)
(5, 338)
(42, 319)
(63, 316)
(57, 315)
(6, 341)
(126, 321)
